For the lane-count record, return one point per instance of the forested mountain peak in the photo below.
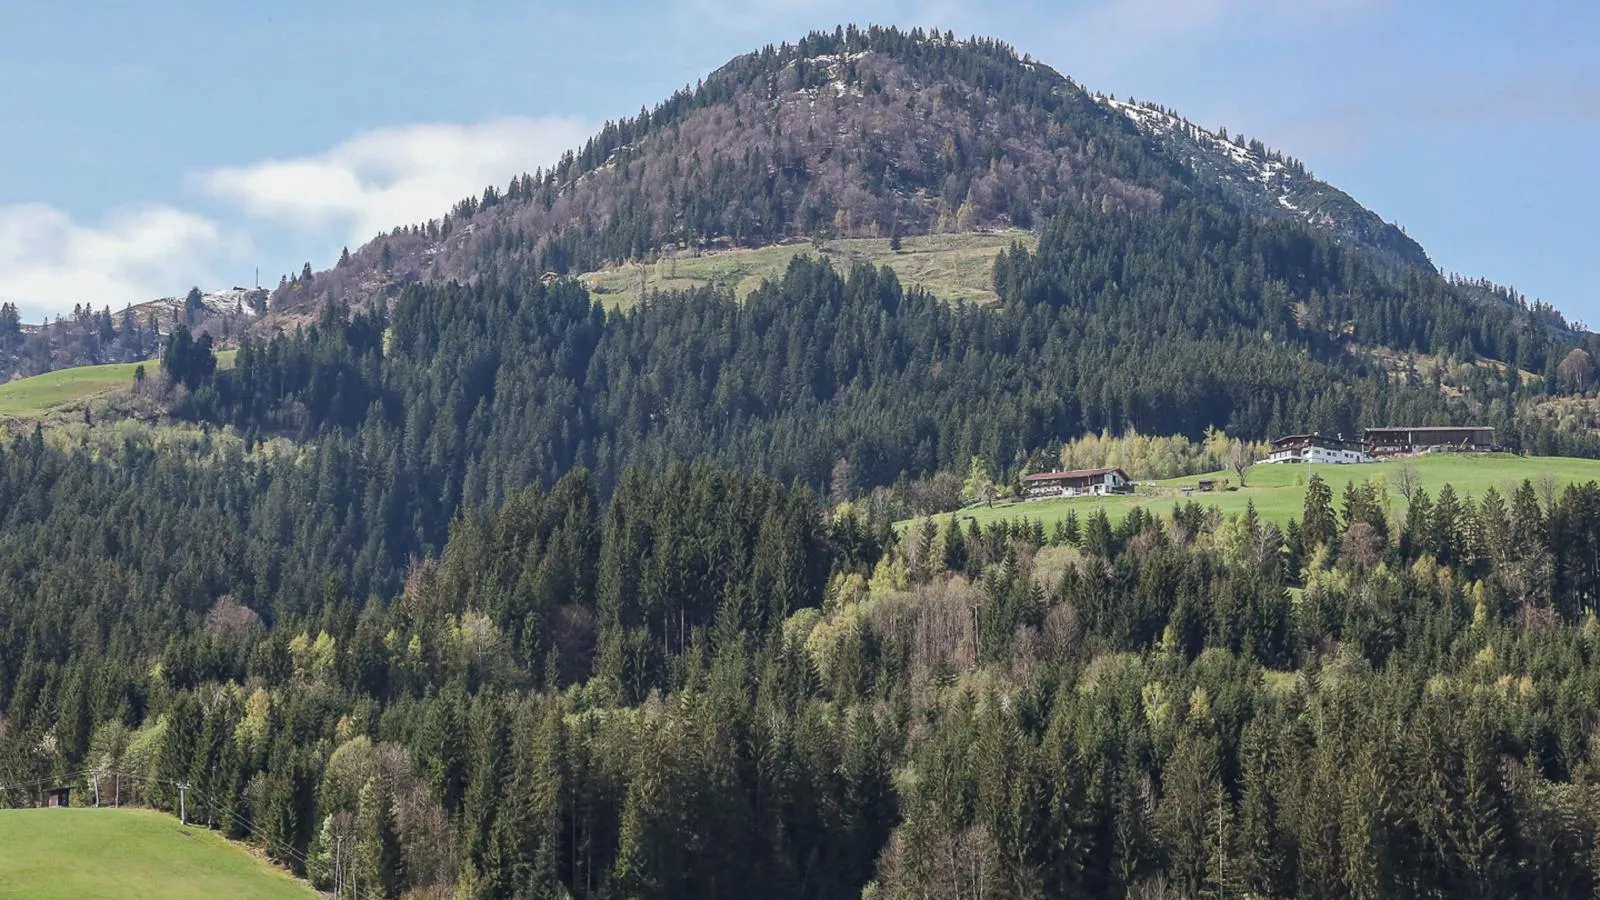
(855, 133)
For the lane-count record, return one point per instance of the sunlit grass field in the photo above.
(128, 853)
(1278, 491)
(29, 397)
(953, 267)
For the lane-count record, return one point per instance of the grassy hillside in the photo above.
(953, 267)
(1278, 491)
(129, 853)
(29, 397)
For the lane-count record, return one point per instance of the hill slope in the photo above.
(956, 268)
(90, 338)
(1268, 184)
(27, 398)
(854, 134)
(127, 853)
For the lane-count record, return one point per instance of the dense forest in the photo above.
(1197, 319)
(433, 583)
(715, 686)
(469, 586)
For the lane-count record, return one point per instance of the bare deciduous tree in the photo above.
(230, 617)
(1549, 489)
(1407, 481)
(1361, 548)
(1240, 461)
(1576, 370)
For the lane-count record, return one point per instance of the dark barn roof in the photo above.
(1072, 475)
(1406, 429)
(1323, 440)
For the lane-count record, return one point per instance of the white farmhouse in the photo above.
(1076, 483)
(1317, 448)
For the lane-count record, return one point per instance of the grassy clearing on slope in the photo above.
(128, 853)
(1278, 491)
(30, 397)
(954, 267)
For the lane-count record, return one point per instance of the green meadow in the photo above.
(35, 396)
(128, 853)
(1278, 491)
(953, 267)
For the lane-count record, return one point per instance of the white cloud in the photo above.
(372, 182)
(49, 262)
(392, 176)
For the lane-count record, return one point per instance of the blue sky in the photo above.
(188, 143)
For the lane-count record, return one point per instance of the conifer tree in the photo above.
(1317, 523)
(379, 865)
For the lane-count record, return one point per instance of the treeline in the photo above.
(715, 686)
(87, 337)
(84, 338)
(1149, 456)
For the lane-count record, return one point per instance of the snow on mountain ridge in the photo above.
(1264, 169)
(1268, 182)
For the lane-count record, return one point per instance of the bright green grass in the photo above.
(131, 853)
(953, 267)
(28, 397)
(1278, 491)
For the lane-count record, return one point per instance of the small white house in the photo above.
(1076, 483)
(1317, 448)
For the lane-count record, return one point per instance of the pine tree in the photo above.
(1317, 523)
(955, 547)
(1073, 534)
(1444, 529)
(1098, 538)
(380, 867)
(924, 566)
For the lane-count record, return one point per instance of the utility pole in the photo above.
(94, 775)
(183, 802)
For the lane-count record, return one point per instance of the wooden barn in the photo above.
(1076, 483)
(1389, 441)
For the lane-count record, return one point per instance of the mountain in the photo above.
(1180, 282)
(858, 133)
(505, 588)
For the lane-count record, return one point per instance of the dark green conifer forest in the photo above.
(483, 590)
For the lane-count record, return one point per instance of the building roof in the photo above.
(1389, 429)
(1075, 473)
(1324, 439)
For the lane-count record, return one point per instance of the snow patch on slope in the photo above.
(1268, 182)
(1245, 163)
(216, 303)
